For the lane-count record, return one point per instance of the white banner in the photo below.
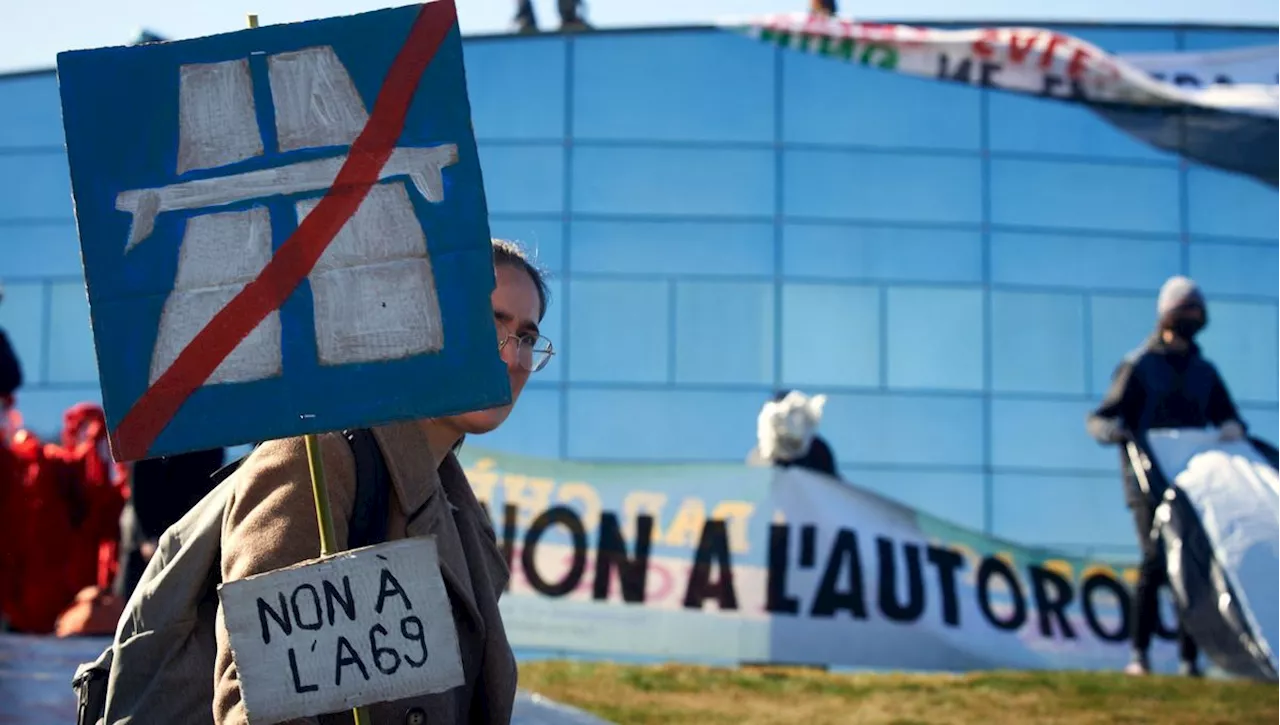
(1258, 65)
(1031, 60)
(1225, 102)
(746, 564)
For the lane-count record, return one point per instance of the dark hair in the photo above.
(511, 254)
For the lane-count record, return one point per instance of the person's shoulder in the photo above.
(1139, 354)
(1204, 362)
(1130, 362)
(282, 463)
(269, 518)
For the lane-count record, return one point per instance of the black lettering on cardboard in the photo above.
(419, 635)
(1053, 593)
(992, 567)
(282, 618)
(343, 599)
(567, 518)
(390, 586)
(713, 547)
(612, 552)
(298, 687)
(777, 600)
(948, 563)
(888, 569)
(347, 656)
(306, 607)
(831, 596)
(1093, 584)
(379, 652)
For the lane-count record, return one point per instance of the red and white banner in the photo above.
(1219, 108)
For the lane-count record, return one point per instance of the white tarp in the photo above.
(1220, 523)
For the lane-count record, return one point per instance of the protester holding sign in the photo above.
(1164, 384)
(285, 234)
(270, 522)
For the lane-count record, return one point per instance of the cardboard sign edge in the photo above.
(429, 539)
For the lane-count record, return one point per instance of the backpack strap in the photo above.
(368, 524)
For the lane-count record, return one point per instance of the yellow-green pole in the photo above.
(320, 492)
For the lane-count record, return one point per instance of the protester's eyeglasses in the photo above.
(532, 351)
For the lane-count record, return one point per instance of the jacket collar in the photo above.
(414, 476)
(429, 503)
(1157, 345)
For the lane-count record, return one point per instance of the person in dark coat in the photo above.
(10, 369)
(1166, 383)
(161, 491)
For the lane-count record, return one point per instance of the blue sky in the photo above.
(34, 31)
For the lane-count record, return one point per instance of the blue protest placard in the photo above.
(283, 230)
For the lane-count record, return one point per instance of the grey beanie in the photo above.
(1177, 292)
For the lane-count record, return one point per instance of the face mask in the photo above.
(1186, 327)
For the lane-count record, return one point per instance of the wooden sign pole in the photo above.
(321, 493)
(324, 517)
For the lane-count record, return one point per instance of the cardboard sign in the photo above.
(283, 230)
(360, 627)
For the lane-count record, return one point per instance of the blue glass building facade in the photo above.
(958, 269)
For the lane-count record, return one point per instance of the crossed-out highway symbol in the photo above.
(379, 255)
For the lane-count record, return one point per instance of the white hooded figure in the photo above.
(787, 434)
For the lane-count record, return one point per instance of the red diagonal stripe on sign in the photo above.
(294, 260)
